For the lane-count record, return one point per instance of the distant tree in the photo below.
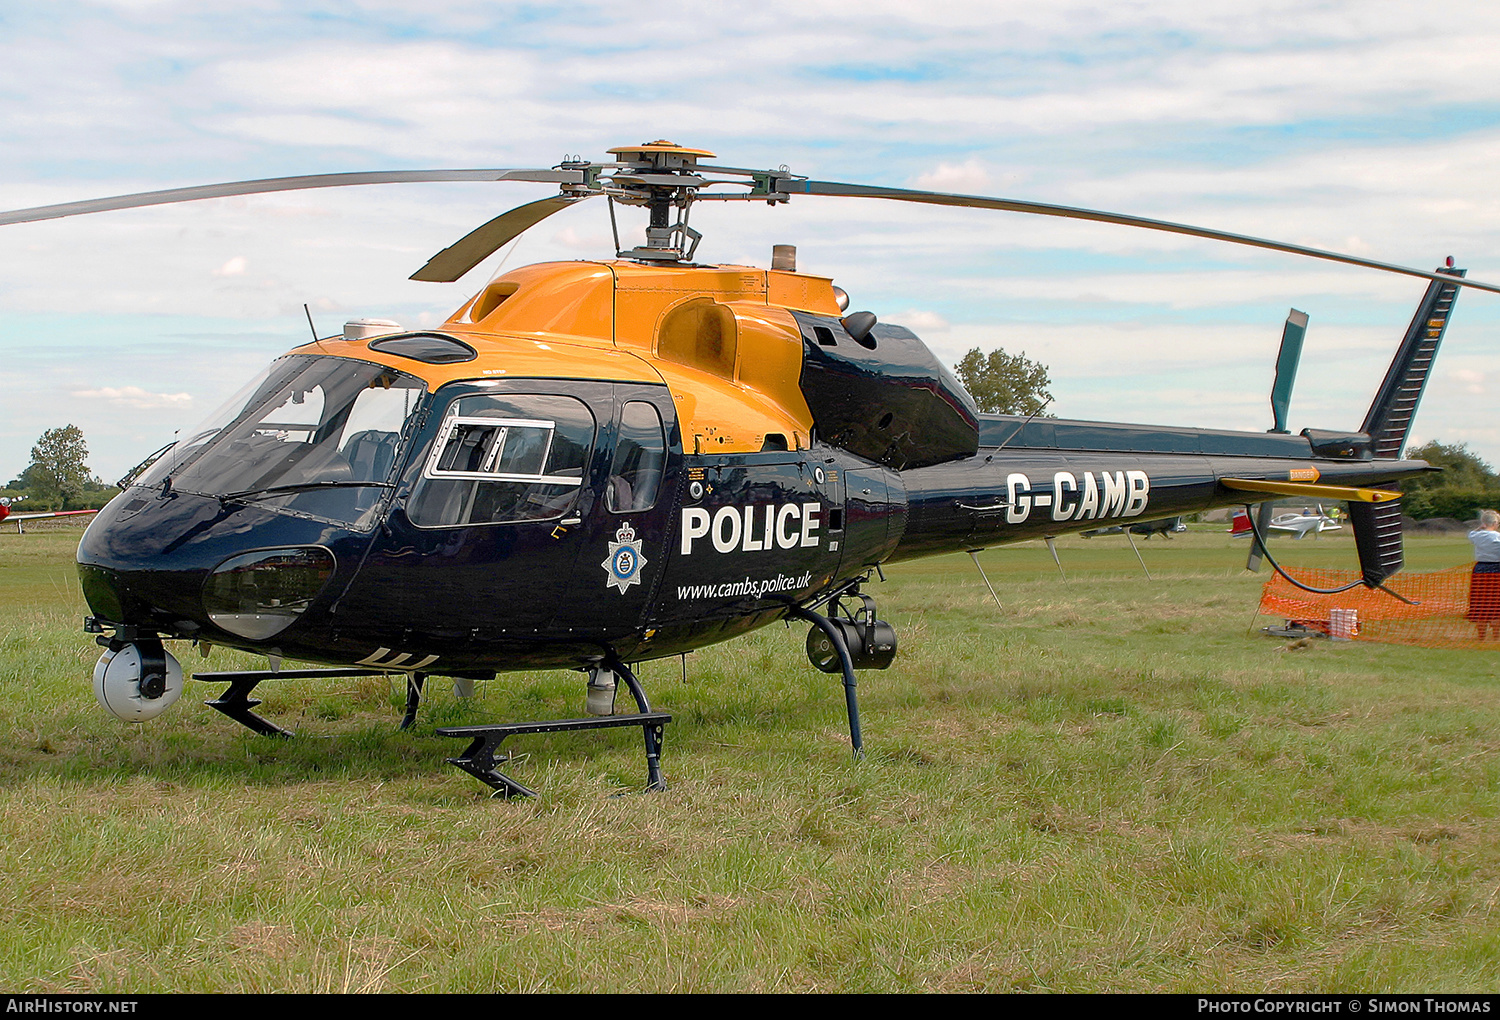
(58, 475)
(24, 481)
(1465, 486)
(1003, 383)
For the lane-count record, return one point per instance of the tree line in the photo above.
(1465, 486)
(1003, 383)
(58, 477)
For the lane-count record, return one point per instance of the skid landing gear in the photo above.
(847, 639)
(481, 758)
(236, 702)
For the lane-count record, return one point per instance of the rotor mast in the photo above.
(664, 177)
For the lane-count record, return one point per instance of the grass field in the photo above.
(1110, 785)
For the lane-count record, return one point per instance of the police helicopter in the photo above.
(593, 464)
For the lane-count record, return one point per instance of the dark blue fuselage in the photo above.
(729, 543)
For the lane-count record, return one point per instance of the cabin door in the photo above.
(623, 532)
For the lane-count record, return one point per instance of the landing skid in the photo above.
(236, 702)
(480, 760)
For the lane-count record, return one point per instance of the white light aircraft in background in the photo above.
(1297, 524)
(6, 515)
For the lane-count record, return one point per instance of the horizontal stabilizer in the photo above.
(1311, 490)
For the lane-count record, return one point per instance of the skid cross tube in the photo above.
(414, 683)
(851, 692)
(481, 758)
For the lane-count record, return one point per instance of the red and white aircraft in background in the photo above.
(1296, 524)
(6, 515)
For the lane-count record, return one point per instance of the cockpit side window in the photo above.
(491, 448)
(505, 458)
(640, 456)
(372, 431)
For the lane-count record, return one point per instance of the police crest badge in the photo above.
(624, 561)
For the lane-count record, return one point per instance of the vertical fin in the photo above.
(1377, 536)
(1390, 416)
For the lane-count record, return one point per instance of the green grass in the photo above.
(1109, 785)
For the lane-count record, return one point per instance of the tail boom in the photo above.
(1057, 477)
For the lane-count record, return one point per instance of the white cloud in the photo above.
(134, 396)
(968, 177)
(591, 242)
(920, 322)
(1470, 381)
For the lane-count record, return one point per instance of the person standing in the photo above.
(1484, 582)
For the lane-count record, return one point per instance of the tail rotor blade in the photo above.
(482, 242)
(1292, 335)
(805, 187)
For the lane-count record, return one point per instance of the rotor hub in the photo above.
(661, 154)
(666, 179)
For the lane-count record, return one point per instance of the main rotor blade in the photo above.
(482, 242)
(171, 195)
(796, 187)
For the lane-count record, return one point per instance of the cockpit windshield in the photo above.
(315, 436)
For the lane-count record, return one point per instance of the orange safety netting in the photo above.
(1442, 618)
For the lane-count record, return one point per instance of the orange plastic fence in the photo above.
(1442, 618)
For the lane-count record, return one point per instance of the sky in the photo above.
(1366, 127)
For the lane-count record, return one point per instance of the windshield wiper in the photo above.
(273, 490)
